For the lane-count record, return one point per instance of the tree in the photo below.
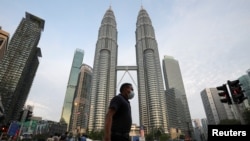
(164, 137)
(96, 135)
(157, 134)
(182, 136)
(246, 116)
(149, 137)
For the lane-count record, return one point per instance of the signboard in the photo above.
(135, 138)
(14, 127)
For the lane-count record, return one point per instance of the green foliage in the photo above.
(164, 137)
(229, 122)
(149, 137)
(182, 136)
(157, 134)
(246, 116)
(96, 135)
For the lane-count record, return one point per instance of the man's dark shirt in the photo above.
(122, 119)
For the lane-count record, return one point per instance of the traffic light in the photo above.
(29, 115)
(236, 91)
(4, 128)
(223, 92)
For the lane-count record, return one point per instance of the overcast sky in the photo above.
(210, 39)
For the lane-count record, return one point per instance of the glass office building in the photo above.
(71, 86)
(173, 80)
(79, 116)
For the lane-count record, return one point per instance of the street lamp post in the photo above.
(188, 131)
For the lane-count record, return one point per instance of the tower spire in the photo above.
(141, 5)
(104, 71)
(110, 3)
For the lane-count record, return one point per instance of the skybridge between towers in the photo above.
(126, 69)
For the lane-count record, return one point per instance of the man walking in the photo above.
(118, 119)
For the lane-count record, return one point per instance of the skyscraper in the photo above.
(204, 127)
(198, 133)
(172, 108)
(215, 110)
(79, 117)
(152, 105)
(71, 87)
(4, 39)
(104, 71)
(173, 80)
(19, 65)
(245, 84)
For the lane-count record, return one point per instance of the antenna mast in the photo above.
(141, 5)
(110, 3)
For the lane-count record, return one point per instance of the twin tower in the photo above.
(151, 98)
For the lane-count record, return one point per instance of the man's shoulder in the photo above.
(119, 96)
(116, 100)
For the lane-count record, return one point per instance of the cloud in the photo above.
(210, 39)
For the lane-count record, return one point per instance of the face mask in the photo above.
(131, 95)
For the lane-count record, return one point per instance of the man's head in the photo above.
(127, 90)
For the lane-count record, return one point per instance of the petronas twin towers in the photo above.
(152, 105)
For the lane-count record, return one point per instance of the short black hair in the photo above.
(124, 85)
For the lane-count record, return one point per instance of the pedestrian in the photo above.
(118, 118)
(56, 137)
(64, 136)
(50, 138)
(82, 138)
(70, 137)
